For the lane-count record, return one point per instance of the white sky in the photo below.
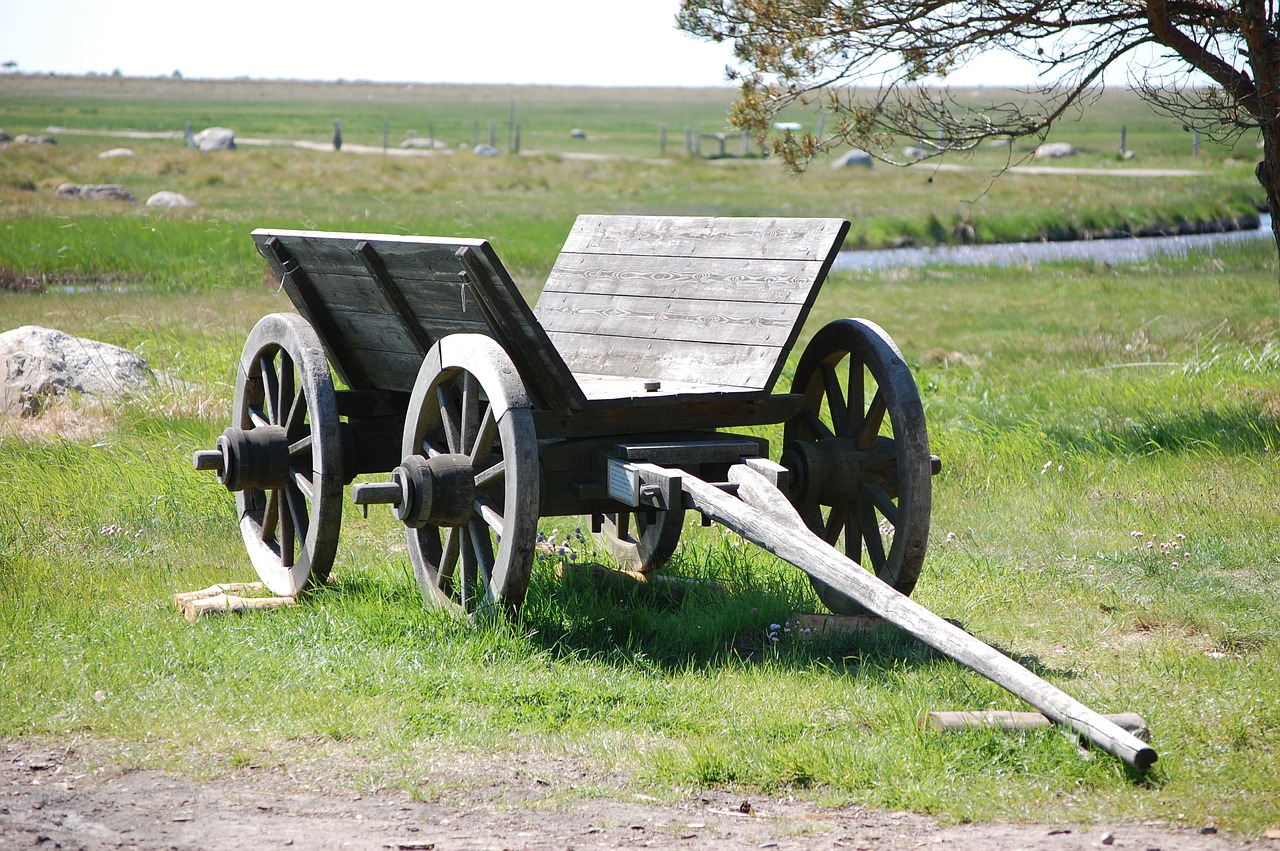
(555, 42)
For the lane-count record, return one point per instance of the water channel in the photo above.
(1133, 250)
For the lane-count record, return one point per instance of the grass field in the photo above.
(1106, 510)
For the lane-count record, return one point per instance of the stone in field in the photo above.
(96, 192)
(215, 139)
(116, 152)
(165, 198)
(852, 159)
(1055, 151)
(37, 363)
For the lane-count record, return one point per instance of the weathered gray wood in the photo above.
(683, 298)
(763, 516)
(667, 414)
(777, 238)
(740, 279)
(952, 722)
(513, 324)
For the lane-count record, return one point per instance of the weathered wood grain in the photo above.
(674, 298)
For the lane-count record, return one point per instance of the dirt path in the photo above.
(54, 798)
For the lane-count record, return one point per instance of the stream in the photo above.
(1133, 250)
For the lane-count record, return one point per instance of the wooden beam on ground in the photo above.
(807, 627)
(952, 722)
(226, 597)
(762, 515)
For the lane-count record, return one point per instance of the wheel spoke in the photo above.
(835, 524)
(295, 422)
(269, 516)
(468, 584)
(836, 403)
(286, 400)
(871, 534)
(875, 418)
(470, 413)
(489, 515)
(304, 484)
(856, 397)
(817, 428)
(483, 546)
(301, 448)
(287, 530)
(258, 417)
(482, 446)
(450, 417)
(271, 387)
(448, 558)
(492, 475)
(880, 499)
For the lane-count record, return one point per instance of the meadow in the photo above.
(1106, 510)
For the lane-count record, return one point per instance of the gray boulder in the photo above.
(37, 363)
(96, 192)
(116, 152)
(165, 198)
(215, 139)
(912, 152)
(485, 150)
(24, 139)
(852, 159)
(1055, 151)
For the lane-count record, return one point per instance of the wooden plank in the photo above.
(409, 257)
(953, 722)
(662, 317)
(302, 293)
(408, 318)
(762, 515)
(772, 281)
(667, 414)
(682, 298)
(747, 367)
(776, 238)
(513, 324)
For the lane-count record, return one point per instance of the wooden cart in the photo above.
(608, 399)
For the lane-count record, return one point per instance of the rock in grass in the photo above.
(1055, 151)
(215, 139)
(116, 152)
(165, 198)
(37, 363)
(96, 192)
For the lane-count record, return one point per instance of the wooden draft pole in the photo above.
(761, 514)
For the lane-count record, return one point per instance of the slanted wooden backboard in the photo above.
(681, 299)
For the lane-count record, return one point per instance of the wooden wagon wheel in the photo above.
(860, 476)
(283, 454)
(642, 541)
(470, 477)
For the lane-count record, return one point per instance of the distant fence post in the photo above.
(191, 138)
(688, 139)
(721, 138)
(1195, 142)
(1123, 143)
(515, 149)
(822, 124)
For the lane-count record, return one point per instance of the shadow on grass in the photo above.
(1237, 430)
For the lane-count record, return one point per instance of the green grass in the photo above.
(1073, 406)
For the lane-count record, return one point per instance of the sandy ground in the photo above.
(56, 798)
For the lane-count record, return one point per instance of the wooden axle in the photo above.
(762, 515)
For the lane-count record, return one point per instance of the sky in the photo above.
(551, 42)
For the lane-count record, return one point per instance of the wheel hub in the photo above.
(437, 491)
(255, 458)
(833, 471)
